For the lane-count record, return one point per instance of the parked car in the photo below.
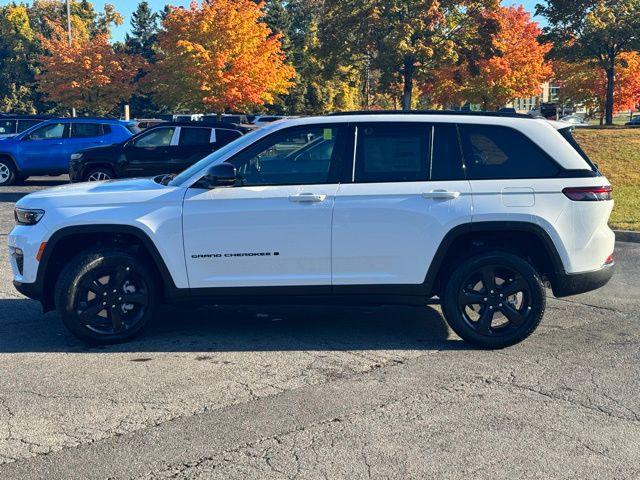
(11, 125)
(229, 120)
(45, 149)
(166, 148)
(144, 123)
(262, 120)
(634, 122)
(575, 120)
(474, 212)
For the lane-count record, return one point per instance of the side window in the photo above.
(25, 124)
(50, 131)
(106, 129)
(224, 136)
(492, 152)
(392, 153)
(300, 155)
(446, 161)
(158, 137)
(7, 127)
(86, 130)
(190, 136)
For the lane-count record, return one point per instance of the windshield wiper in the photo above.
(165, 179)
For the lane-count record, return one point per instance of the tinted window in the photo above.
(158, 137)
(7, 127)
(501, 152)
(50, 131)
(84, 130)
(300, 155)
(392, 153)
(446, 163)
(224, 136)
(25, 124)
(195, 136)
(106, 129)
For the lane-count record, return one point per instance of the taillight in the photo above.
(609, 260)
(589, 194)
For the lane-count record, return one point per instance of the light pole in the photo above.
(73, 110)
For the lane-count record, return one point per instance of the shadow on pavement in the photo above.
(224, 329)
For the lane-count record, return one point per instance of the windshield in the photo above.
(218, 155)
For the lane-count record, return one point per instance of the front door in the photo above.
(274, 228)
(147, 154)
(407, 191)
(47, 149)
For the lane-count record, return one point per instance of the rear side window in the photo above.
(85, 130)
(492, 152)
(392, 153)
(194, 136)
(446, 162)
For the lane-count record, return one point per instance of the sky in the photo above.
(127, 7)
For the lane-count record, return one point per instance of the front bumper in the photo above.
(566, 284)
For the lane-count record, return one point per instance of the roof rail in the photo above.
(432, 112)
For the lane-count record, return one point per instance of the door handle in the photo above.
(306, 198)
(440, 194)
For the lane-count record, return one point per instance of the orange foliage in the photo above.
(218, 56)
(88, 74)
(586, 83)
(516, 70)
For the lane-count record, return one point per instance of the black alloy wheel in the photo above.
(106, 296)
(494, 300)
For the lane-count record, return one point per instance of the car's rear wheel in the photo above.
(494, 300)
(106, 296)
(8, 174)
(98, 174)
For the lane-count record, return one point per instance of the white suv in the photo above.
(474, 212)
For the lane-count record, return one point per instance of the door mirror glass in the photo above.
(220, 175)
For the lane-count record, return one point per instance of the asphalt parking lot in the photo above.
(322, 392)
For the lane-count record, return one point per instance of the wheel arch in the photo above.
(69, 241)
(465, 240)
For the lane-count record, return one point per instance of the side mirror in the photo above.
(220, 175)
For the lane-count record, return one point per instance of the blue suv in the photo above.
(46, 148)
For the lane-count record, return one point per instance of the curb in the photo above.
(627, 236)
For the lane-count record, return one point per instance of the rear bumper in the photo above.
(566, 284)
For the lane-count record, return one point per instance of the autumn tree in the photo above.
(87, 74)
(218, 56)
(585, 84)
(516, 69)
(594, 31)
(404, 39)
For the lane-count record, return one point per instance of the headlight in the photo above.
(27, 216)
(76, 156)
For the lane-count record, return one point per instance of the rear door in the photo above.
(406, 191)
(85, 135)
(194, 143)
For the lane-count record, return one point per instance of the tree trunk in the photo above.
(608, 102)
(407, 77)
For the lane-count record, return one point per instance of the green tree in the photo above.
(18, 51)
(593, 30)
(144, 32)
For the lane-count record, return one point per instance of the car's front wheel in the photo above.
(106, 295)
(494, 300)
(8, 175)
(98, 174)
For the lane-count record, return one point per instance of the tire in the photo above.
(92, 291)
(96, 174)
(8, 174)
(494, 300)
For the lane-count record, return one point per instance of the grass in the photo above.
(617, 153)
